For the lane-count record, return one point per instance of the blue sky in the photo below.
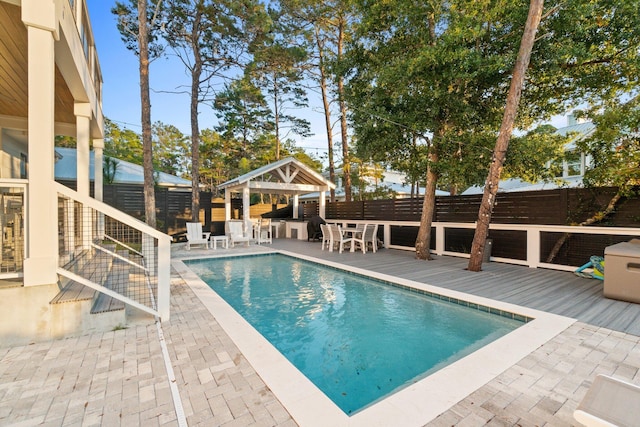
(121, 90)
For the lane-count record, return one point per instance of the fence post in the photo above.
(387, 235)
(533, 247)
(164, 279)
(439, 238)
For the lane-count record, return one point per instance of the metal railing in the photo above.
(13, 194)
(113, 253)
(531, 243)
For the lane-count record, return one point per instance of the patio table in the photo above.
(353, 232)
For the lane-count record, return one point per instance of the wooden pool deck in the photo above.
(556, 292)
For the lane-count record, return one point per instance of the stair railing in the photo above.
(90, 230)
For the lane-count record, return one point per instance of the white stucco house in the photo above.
(51, 84)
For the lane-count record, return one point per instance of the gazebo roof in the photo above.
(286, 176)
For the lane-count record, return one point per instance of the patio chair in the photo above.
(264, 231)
(609, 402)
(235, 231)
(368, 236)
(195, 235)
(326, 236)
(338, 239)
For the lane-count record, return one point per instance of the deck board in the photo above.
(552, 291)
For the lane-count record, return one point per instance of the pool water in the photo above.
(356, 338)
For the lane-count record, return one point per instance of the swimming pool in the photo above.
(413, 405)
(356, 338)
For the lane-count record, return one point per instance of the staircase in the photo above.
(79, 309)
(111, 268)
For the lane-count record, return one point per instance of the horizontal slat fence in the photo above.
(549, 207)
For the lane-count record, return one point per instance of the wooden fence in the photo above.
(550, 207)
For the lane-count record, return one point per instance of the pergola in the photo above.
(286, 176)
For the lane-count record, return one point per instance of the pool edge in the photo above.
(414, 405)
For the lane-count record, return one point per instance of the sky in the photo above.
(121, 90)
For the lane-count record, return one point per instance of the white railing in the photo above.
(533, 233)
(111, 252)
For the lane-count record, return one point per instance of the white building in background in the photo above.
(574, 164)
(392, 180)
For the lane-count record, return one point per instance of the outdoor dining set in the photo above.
(362, 236)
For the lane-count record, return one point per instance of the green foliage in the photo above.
(277, 69)
(109, 170)
(244, 115)
(432, 76)
(537, 155)
(65, 141)
(367, 182)
(614, 147)
(123, 144)
(170, 150)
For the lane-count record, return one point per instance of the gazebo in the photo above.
(286, 176)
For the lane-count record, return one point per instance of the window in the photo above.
(573, 161)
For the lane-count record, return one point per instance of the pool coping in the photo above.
(414, 405)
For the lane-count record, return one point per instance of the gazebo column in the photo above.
(295, 206)
(246, 203)
(227, 204)
(322, 207)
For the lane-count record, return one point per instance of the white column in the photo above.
(322, 207)
(227, 205)
(98, 158)
(295, 206)
(82, 112)
(42, 228)
(246, 203)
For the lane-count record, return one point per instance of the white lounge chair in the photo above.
(235, 231)
(610, 402)
(264, 231)
(195, 235)
(368, 235)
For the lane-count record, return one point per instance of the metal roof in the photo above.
(127, 173)
(286, 176)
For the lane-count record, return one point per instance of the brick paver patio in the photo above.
(118, 378)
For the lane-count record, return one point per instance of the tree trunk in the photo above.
(145, 102)
(276, 114)
(423, 240)
(502, 143)
(592, 220)
(346, 165)
(195, 141)
(327, 113)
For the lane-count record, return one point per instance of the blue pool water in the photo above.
(357, 339)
